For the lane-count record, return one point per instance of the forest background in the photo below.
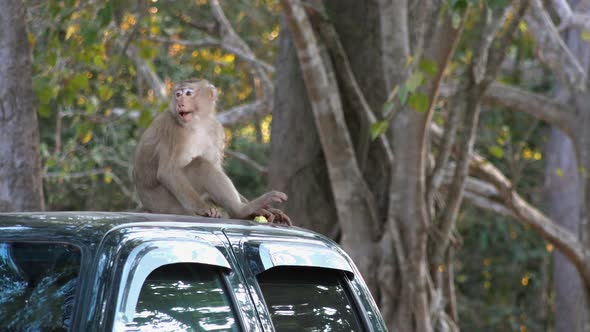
(442, 143)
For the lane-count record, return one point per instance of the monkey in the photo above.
(177, 166)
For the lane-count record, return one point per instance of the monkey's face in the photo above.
(192, 100)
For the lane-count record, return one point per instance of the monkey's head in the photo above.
(193, 99)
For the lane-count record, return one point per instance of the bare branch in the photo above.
(148, 74)
(352, 91)
(536, 105)
(75, 175)
(125, 190)
(491, 27)
(506, 201)
(448, 140)
(210, 28)
(551, 49)
(242, 114)
(487, 204)
(566, 241)
(204, 42)
(234, 41)
(569, 18)
(499, 50)
(247, 161)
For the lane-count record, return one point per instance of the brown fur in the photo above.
(179, 160)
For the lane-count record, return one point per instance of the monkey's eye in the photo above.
(189, 92)
(178, 94)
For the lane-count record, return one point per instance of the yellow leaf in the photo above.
(228, 58)
(108, 178)
(527, 153)
(31, 40)
(559, 171)
(87, 137)
(72, 29)
(409, 60)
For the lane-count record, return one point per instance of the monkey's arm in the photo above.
(173, 178)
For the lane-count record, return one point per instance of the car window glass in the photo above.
(37, 285)
(308, 299)
(185, 297)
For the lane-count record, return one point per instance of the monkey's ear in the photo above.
(211, 92)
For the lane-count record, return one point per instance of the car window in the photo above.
(308, 299)
(185, 297)
(37, 285)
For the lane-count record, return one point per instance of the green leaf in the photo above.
(414, 81)
(419, 102)
(42, 90)
(51, 59)
(44, 110)
(378, 128)
(497, 4)
(585, 35)
(388, 107)
(429, 67)
(105, 15)
(559, 172)
(496, 151)
(458, 5)
(89, 34)
(105, 92)
(145, 119)
(97, 60)
(403, 94)
(79, 82)
(456, 20)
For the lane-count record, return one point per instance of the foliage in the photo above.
(502, 275)
(93, 104)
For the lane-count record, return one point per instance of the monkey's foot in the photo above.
(209, 212)
(274, 216)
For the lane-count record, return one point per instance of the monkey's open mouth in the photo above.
(186, 116)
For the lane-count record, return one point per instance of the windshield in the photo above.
(37, 285)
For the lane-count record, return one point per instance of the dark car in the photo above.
(94, 271)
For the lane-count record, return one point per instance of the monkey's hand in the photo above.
(210, 212)
(274, 216)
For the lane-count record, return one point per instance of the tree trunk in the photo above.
(297, 165)
(402, 289)
(563, 196)
(20, 165)
(564, 192)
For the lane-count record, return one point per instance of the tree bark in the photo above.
(20, 161)
(563, 194)
(302, 175)
(564, 191)
(354, 203)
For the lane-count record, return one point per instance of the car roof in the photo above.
(87, 228)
